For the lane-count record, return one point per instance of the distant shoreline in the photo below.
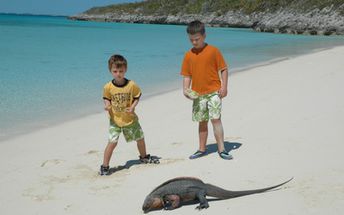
(30, 14)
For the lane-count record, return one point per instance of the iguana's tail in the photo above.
(220, 193)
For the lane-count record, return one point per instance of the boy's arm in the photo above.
(107, 105)
(224, 83)
(131, 109)
(186, 85)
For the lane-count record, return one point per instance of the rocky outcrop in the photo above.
(314, 22)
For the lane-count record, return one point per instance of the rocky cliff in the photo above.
(327, 20)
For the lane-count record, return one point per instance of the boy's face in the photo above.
(118, 72)
(197, 40)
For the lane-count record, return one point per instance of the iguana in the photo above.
(173, 193)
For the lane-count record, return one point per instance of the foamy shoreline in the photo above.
(281, 120)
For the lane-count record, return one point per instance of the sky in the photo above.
(53, 7)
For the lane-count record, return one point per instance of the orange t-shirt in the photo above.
(203, 67)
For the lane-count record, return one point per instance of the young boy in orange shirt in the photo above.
(202, 67)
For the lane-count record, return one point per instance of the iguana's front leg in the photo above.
(203, 202)
(171, 202)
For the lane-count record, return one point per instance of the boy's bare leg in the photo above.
(218, 133)
(203, 135)
(141, 146)
(108, 153)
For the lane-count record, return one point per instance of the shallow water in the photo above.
(53, 69)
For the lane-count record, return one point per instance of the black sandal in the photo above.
(149, 159)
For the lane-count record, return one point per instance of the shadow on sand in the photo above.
(129, 164)
(229, 146)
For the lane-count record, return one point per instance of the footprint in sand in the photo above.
(85, 172)
(39, 193)
(94, 153)
(52, 162)
(170, 160)
(176, 143)
(91, 152)
(45, 188)
(67, 207)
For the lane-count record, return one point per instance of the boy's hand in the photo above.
(130, 110)
(186, 94)
(223, 92)
(107, 108)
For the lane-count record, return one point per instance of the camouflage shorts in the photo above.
(131, 132)
(206, 107)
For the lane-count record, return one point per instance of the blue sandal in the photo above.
(198, 154)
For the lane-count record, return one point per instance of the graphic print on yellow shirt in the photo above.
(121, 98)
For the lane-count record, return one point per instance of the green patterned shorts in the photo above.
(131, 132)
(206, 107)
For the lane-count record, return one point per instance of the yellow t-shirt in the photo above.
(203, 67)
(121, 97)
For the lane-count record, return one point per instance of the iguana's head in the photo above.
(152, 203)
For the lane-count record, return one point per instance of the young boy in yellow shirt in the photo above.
(205, 71)
(120, 99)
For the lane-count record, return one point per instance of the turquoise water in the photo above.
(53, 69)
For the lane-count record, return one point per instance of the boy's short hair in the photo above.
(117, 60)
(195, 27)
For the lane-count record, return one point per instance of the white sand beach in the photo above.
(281, 120)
